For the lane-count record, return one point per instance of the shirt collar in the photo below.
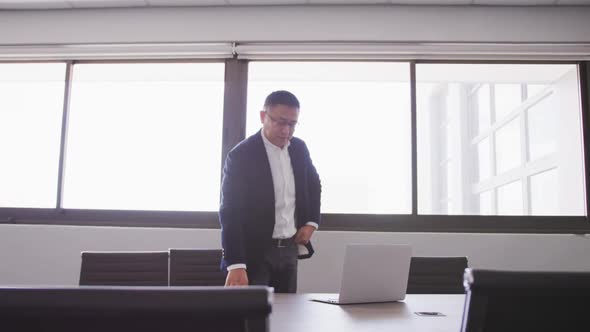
(268, 144)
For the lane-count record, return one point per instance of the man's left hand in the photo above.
(304, 234)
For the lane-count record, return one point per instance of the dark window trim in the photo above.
(123, 218)
(456, 223)
(234, 105)
(330, 221)
(584, 77)
(236, 77)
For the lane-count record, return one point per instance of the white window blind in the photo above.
(117, 51)
(413, 51)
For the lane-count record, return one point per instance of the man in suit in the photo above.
(270, 200)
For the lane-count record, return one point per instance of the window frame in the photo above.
(234, 124)
(527, 167)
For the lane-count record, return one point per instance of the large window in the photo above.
(145, 137)
(355, 118)
(499, 139)
(493, 147)
(31, 105)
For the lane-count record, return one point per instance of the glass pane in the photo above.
(534, 89)
(485, 203)
(449, 206)
(483, 108)
(355, 119)
(448, 141)
(446, 104)
(145, 137)
(544, 193)
(510, 199)
(542, 135)
(449, 178)
(31, 108)
(508, 152)
(483, 159)
(507, 97)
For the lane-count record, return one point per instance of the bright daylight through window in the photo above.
(492, 139)
(145, 137)
(499, 139)
(355, 119)
(31, 107)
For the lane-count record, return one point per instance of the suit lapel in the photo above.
(265, 175)
(298, 163)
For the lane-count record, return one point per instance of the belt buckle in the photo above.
(279, 244)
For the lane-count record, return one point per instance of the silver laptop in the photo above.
(372, 273)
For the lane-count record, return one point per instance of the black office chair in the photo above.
(133, 309)
(138, 268)
(511, 301)
(436, 275)
(196, 267)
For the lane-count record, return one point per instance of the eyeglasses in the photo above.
(282, 123)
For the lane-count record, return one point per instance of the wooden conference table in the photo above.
(296, 313)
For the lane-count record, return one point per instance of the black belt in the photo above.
(282, 243)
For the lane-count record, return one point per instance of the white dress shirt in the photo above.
(284, 188)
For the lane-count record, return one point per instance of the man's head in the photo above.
(279, 117)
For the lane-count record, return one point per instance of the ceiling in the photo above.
(71, 4)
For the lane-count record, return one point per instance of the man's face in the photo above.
(278, 123)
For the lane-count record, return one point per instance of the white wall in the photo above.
(298, 23)
(50, 255)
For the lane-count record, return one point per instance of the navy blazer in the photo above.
(247, 211)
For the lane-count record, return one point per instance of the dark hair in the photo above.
(281, 97)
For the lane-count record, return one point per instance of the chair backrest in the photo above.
(139, 268)
(196, 267)
(511, 301)
(436, 275)
(135, 309)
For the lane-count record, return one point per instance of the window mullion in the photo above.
(234, 104)
(64, 133)
(493, 152)
(414, 137)
(584, 77)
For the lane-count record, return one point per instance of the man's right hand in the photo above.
(236, 277)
